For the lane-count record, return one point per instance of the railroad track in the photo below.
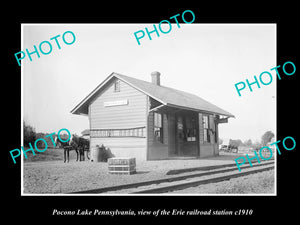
(173, 186)
(183, 181)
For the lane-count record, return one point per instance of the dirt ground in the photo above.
(48, 174)
(258, 183)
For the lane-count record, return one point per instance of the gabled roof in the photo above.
(85, 132)
(167, 96)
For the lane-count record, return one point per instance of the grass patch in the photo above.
(51, 154)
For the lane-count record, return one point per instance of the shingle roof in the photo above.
(167, 96)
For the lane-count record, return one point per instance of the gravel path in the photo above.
(258, 183)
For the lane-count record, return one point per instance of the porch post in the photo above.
(201, 140)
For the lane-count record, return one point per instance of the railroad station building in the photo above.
(148, 121)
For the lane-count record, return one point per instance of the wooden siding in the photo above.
(212, 148)
(131, 115)
(120, 116)
(172, 134)
(157, 150)
(123, 147)
(206, 150)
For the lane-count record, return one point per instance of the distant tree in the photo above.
(257, 145)
(236, 143)
(48, 140)
(248, 143)
(29, 134)
(41, 144)
(267, 137)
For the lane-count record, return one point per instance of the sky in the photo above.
(203, 59)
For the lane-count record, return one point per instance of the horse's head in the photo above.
(62, 141)
(71, 141)
(56, 141)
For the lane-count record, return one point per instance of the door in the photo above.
(179, 140)
(187, 133)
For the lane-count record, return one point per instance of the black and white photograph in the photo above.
(163, 117)
(150, 112)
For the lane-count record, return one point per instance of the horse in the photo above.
(66, 146)
(81, 145)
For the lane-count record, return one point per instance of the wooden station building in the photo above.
(148, 121)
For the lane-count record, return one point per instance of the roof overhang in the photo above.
(201, 111)
(82, 107)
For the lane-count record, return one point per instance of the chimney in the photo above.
(155, 78)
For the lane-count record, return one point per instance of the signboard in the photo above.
(115, 103)
(224, 120)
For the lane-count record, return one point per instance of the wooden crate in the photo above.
(121, 165)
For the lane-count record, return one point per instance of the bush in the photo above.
(29, 134)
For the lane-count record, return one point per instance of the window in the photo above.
(206, 136)
(158, 129)
(117, 86)
(130, 132)
(191, 130)
(187, 127)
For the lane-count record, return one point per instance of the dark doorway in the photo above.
(186, 133)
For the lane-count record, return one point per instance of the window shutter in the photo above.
(212, 127)
(201, 132)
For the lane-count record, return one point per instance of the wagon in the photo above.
(229, 148)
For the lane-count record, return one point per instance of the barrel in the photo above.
(97, 154)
